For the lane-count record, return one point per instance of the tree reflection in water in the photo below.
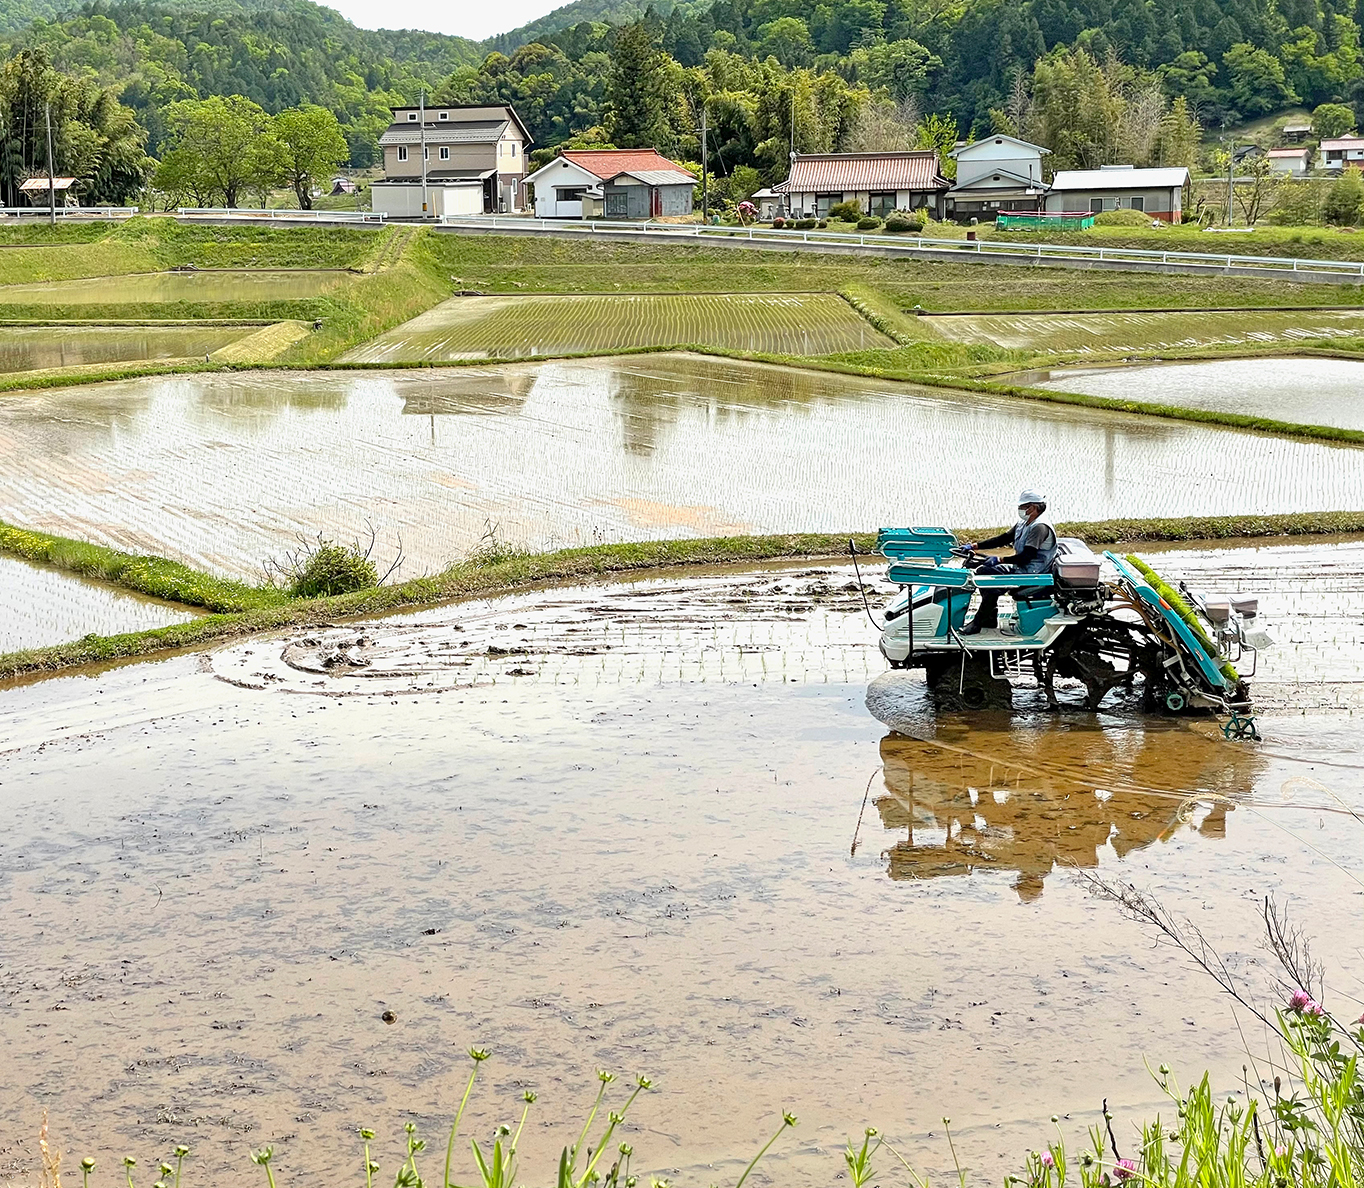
(994, 796)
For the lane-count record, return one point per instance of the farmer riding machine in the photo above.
(1107, 622)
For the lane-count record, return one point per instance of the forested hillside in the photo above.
(1095, 80)
(277, 53)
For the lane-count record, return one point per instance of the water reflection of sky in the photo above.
(223, 470)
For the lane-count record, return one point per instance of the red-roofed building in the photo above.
(611, 184)
(878, 182)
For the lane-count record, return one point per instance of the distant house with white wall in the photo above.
(878, 182)
(1293, 162)
(475, 161)
(997, 173)
(1158, 193)
(611, 184)
(1340, 151)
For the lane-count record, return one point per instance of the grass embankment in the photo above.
(158, 577)
(244, 610)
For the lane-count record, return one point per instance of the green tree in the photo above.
(939, 133)
(310, 146)
(788, 40)
(1077, 110)
(1190, 75)
(214, 153)
(1332, 119)
(1179, 136)
(1256, 79)
(636, 93)
(1344, 199)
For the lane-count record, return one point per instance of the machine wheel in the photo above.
(973, 688)
(1175, 701)
(1100, 653)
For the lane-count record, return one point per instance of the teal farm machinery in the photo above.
(1099, 624)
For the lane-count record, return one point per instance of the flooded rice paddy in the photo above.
(1303, 391)
(648, 826)
(25, 348)
(517, 327)
(1109, 332)
(225, 470)
(215, 285)
(41, 606)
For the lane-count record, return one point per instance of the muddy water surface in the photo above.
(1082, 332)
(647, 826)
(41, 606)
(23, 348)
(217, 285)
(1304, 391)
(224, 470)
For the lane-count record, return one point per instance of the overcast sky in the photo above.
(468, 18)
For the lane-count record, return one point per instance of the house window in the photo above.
(445, 152)
(880, 205)
(823, 202)
(1138, 203)
(426, 153)
(412, 116)
(1096, 205)
(445, 115)
(402, 152)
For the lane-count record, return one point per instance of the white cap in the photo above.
(1028, 495)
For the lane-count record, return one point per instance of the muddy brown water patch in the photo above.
(224, 470)
(216, 891)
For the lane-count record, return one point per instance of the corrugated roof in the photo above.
(1288, 152)
(1119, 179)
(828, 172)
(607, 163)
(481, 133)
(1343, 142)
(660, 177)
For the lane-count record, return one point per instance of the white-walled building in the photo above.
(1340, 151)
(997, 173)
(611, 184)
(1294, 162)
(475, 161)
(1158, 193)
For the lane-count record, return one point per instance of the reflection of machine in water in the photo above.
(1009, 800)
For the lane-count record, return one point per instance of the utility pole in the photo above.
(422, 120)
(705, 169)
(51, 183)
(793, 121)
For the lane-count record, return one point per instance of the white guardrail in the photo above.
(980, 247)
(69, 212)
(291, 216)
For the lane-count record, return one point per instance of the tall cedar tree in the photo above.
(637, 92)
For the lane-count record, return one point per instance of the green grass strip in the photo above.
(251, 609)
(1176, 603)
(158, 577)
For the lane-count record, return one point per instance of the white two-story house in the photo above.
(475, 157)
(997, 173)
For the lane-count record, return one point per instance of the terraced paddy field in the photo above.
(218, 286)
(1303, 391)
(41, 606)
(644, 826)
(519, 327)
(25, 348)
(224, 470)
(1143, 331)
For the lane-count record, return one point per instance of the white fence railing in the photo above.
(977, 247)
(289, 216)
(69, 212)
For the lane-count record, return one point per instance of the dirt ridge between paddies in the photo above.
(245, 610)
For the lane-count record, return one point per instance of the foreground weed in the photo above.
(787, 1121)
(860, 1169)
